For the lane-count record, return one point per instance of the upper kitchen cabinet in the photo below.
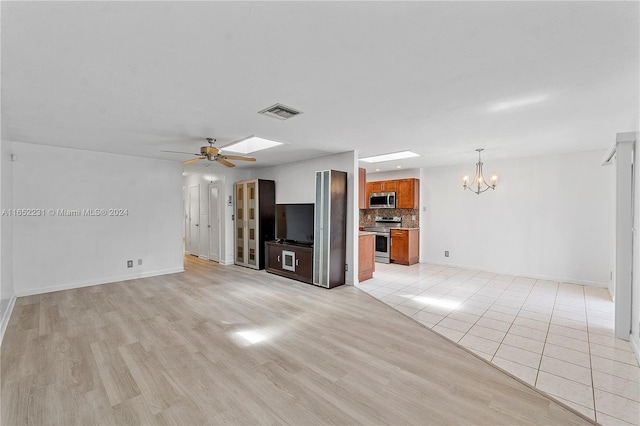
(408, 193)
(363, 194)
(382, 186)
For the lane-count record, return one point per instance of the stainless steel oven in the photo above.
(383, 247)
(383, 236)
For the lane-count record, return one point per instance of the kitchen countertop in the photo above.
(400, 227)
(367, 233)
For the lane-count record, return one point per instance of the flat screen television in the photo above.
(294, 223)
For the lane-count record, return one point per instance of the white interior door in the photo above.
(193, 219)
(203, 226)
(185, 225)
(214, 222)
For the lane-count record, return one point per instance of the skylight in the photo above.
(251, 144)
(389, 157)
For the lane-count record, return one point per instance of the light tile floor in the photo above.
(555, 336)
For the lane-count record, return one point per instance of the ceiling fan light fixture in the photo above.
(251, 144)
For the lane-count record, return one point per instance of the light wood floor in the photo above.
(187, 349)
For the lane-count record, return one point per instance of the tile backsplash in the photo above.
(368, 216)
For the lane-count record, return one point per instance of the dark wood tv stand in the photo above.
(291, 260)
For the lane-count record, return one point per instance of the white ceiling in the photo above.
(433, 77)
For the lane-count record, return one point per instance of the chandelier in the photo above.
(479, 183)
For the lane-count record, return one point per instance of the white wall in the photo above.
(6, 236)
(549, 217)
(52, 253)
(295, 183)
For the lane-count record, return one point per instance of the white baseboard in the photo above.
(107, 280)
(6, 315)
(520, 274)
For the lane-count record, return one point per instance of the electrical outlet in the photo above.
(139, 262)
(346, 267)
(129, 263)
(413, 217)
(446, 253)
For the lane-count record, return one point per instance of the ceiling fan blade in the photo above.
(225, 162)
(181, 152)
(193, 161)
(238, 157)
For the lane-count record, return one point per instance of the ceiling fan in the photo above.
(212, 153)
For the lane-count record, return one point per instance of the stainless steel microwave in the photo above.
(382, 200)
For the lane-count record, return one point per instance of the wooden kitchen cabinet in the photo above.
(382, 186)
(363, 195)
(405, 246)
(366, 256)
(408, 194)
(373, 187)
(389, 185)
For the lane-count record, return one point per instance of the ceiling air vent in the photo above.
(279, 111)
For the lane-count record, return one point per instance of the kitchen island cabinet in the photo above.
(366, 255)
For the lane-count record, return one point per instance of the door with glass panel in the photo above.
(251, 224)
(255, 212)
(247, 245)
(239, 220)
